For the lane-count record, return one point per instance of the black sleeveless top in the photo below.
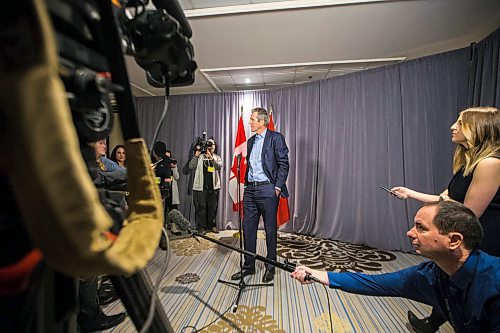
(490, 220)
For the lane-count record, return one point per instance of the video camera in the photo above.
(202, 144)
(157, 38)
(159, 41)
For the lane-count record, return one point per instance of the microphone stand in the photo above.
(241, 285)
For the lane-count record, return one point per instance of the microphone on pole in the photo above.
(182, 223)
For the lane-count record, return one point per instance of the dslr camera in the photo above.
(202, 144)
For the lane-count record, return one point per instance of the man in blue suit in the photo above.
(265, 178)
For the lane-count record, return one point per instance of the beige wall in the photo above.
(116, 136)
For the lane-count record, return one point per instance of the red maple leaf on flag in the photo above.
(240, 147)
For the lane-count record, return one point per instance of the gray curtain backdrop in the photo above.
(296, 112)
(484, 78)
(347, 137)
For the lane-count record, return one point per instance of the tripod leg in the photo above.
(136, 292)
(242, 287)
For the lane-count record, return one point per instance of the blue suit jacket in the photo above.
(274, 159)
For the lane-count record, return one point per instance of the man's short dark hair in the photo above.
(452, 216)
(262, 114)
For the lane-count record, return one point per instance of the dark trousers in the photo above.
(166, 210)
(88, 300)
(205, 206)
(166, 224)
(169, 204)
(260, 201)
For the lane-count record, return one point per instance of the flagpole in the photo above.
(240, 215)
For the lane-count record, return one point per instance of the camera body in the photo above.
(159, 46)
(202, 144)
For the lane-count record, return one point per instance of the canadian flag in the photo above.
(240, 147)
(283, 208)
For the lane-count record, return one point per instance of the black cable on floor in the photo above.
(329, 307)
(213, 321)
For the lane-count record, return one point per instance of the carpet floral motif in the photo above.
(190, 247)
(187, 278)
(322, 323)
(261, 234)
(331, 255)
(247, 319)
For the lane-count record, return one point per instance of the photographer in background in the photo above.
(206, 184)
(174, 200)
(163, 171)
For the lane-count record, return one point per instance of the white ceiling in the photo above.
(281, 43)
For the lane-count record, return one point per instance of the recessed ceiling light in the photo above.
(247, 81)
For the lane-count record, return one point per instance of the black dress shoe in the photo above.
(268, 276)
(421, 325)
(106, 294)
(102, 322)
(245, 272)
(106, 301)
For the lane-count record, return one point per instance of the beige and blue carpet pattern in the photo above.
(194, 299)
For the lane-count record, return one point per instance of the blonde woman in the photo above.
(475, 183)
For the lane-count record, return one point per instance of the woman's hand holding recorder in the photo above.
(398, 191)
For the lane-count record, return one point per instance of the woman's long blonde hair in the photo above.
(481, 129)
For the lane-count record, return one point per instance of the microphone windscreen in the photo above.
(179, 220)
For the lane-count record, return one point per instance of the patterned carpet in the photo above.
(194, 300)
